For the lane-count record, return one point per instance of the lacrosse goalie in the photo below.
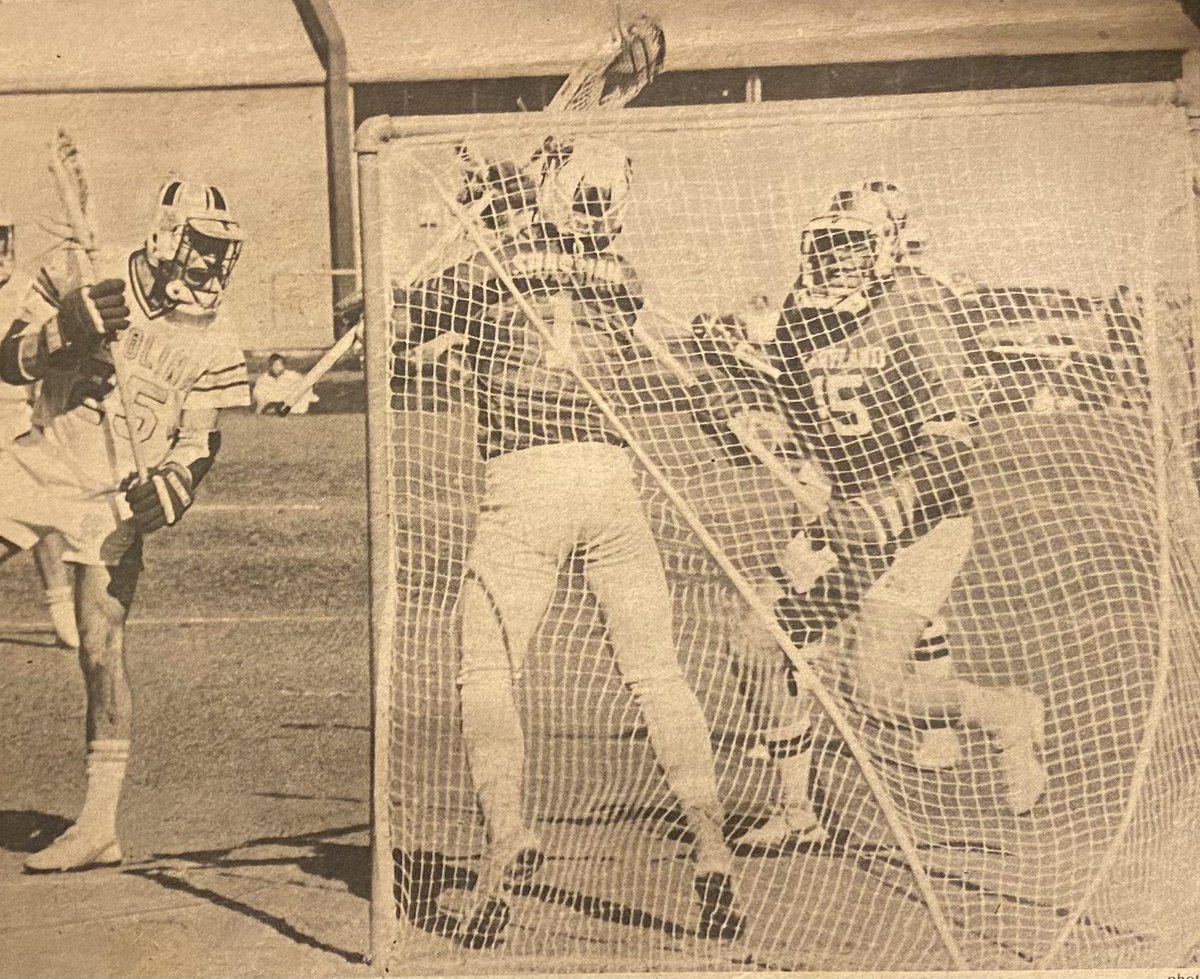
(182, 364)
(558, 480)
(860, 409)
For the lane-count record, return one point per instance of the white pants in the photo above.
(539, 506)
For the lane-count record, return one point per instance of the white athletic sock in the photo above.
(106, 762)
(61, 604)
(495, 746)
(793, 782)
(790, 749)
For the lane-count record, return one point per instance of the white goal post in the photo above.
(1052, 301)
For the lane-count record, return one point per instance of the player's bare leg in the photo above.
(896, 615)
(105, 595)
(58, 583)
(782, 713)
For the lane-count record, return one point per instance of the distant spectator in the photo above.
(276, 387)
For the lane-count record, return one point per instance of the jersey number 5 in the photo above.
(146, 403)
(839, 402)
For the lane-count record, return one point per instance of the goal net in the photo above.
(1042, 266)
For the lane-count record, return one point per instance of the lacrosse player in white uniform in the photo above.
(862, 393)
(558, 481)
(16, 421)
(182, 364)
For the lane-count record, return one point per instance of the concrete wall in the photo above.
(263, 147)
(389, 40)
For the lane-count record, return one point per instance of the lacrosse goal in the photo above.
(1081, 585)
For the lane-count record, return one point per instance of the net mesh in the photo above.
(1038, 295)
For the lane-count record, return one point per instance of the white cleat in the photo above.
(1016, 719)
(76, 849)
(784, 831)
(940, 748)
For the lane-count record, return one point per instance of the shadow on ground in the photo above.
(316, 854)
(27, 831)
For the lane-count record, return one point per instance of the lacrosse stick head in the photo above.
(630, 61)
(70, 177)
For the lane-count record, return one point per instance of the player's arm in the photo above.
(85, 318)
(170, 487)
(945, 433)
(450, 302)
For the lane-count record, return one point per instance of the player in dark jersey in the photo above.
(866, 383)
(558, 482)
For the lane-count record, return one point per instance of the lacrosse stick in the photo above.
(743, 350)
(70, 179)
(629, 61)
(421, 353)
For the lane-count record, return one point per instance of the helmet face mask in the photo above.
(201, 267)
(840, 256)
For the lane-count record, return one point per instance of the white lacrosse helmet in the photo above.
(193, 243)
(893, 199)
(8, 245)
(585, 188)
(848, 250)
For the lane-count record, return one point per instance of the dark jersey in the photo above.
(858, 387)
(526, 386)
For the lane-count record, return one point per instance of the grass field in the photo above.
(244, 814)
(245, 811)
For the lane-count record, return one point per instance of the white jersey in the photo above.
(174, 361)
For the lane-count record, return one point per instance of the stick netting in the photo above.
(1045, 267)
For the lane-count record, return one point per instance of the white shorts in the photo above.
(38, 495)
(923, 573)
